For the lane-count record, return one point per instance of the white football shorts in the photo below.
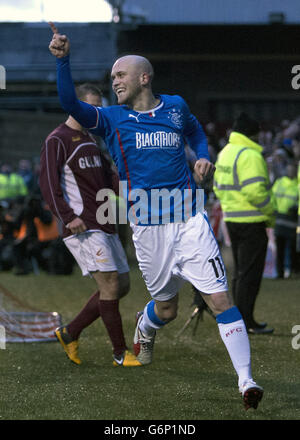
(97, 251)
(170, 254)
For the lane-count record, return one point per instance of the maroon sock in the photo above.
(109, 311)
(85, 317)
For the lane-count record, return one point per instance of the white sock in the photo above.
(235, 337)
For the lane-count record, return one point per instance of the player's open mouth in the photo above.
(120, 91)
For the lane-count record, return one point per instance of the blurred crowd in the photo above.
(30, 235)
(281, 144)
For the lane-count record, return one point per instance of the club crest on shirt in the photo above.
(176, 117)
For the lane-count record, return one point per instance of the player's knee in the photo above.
(110, 293)
(219, 302)
(167, 313)
(108, 285)
(170, 315)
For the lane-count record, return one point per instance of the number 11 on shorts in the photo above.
(213, 261)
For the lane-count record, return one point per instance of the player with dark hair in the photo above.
(146, 135)
(72, 171)
(88, 89)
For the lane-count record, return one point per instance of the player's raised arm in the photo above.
(84, 113)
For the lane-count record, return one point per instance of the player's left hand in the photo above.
(204, 169)
(76, 226)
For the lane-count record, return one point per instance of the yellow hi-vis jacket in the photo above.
(298, 178)
(241, 182)
(285, 191)
(11, 186)
(298, 227)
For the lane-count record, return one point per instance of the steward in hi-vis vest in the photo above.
(242, 182)
(12, 185)
(298, 227)
(285, 192)
(242, 185)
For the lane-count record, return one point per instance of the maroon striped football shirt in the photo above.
(73, 170)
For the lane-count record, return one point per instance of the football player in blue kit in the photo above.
(146, 135)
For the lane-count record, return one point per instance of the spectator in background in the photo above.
(287, 146)
(296, 149)
(223, 141)
(25, 171)
(265, 139)
(213, 151)
(212, 140)
(36, 169)
(279, 163)
(12, 185)
(298, 225)
(6, 237)
(285, 191)
(37, 228)
(291, 129)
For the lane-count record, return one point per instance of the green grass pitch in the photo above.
(191, 377)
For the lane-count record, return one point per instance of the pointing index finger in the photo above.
(53, 27)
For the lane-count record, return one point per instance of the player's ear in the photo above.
(145, 78)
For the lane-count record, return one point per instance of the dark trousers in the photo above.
(285, 244)
(249, 243)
